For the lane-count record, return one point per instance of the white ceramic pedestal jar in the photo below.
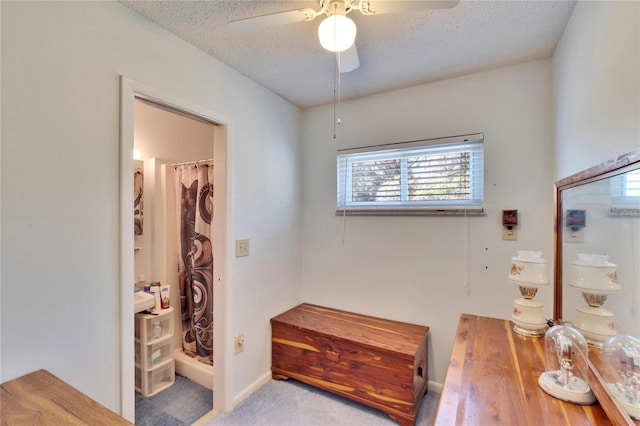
(596, 278)
(528, 272)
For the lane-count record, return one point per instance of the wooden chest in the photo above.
(377, 362)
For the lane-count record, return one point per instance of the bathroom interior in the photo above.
(169, 145)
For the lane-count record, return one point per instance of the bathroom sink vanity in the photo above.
(142, 301)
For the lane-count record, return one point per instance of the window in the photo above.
(625, 188)
(442, 176)
(632, 185)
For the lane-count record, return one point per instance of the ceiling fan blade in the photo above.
(271, 20)
(380, 7)
(349, 59)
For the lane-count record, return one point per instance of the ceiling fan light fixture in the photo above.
(337, 33)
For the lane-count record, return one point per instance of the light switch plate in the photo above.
(242, 247)
(239, 343)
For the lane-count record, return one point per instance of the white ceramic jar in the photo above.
(527, 315)
(597, 324)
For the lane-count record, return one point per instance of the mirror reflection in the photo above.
(601, 256)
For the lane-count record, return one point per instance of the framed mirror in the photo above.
(598, 226)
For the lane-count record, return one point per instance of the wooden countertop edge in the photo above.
(40, 398)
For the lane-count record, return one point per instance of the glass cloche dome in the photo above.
(566, 362)
(621, 372)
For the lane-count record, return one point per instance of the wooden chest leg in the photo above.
(277, 376)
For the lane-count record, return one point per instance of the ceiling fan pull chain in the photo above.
(336, 94)
(336, 76)
(338, 119)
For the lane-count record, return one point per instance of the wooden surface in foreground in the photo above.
(492, 379)
(40, 398)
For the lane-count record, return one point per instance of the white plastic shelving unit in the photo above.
(155, 366)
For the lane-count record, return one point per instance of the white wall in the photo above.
(60, 67)
(414, 268)
(163, 134)
(596, 77)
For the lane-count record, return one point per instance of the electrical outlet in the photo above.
(239, 343)
(242, 247)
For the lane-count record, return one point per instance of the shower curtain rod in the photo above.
(210, 160)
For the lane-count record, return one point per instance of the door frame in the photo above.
(129, 91)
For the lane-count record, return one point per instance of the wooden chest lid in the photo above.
(392, 336)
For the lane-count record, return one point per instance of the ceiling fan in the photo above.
(337, 32)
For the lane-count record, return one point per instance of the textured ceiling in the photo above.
(395, 50)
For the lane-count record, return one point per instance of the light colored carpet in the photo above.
(292, 403)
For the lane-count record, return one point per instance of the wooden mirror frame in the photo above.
(623, 163)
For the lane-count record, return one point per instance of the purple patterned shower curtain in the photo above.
(194, 195)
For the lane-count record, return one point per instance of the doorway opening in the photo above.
(166, 131)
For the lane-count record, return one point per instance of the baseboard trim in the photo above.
(251, 389)
(266, 377)
(205, 419)
(435, 387)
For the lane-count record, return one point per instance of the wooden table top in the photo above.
(40, 398)
(492, 379)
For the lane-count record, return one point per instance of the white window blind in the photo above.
(625, 188)
(442, 176)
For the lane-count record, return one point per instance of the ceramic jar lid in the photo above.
(594, 273)
(528, 268)
(593, 260)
